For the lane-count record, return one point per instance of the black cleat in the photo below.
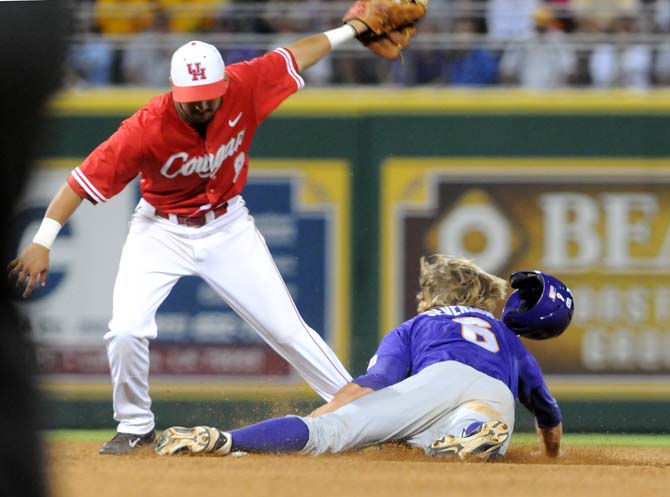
(125, 443)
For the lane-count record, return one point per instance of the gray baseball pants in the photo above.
(442, 399)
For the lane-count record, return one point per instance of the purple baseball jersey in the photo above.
(470, 336)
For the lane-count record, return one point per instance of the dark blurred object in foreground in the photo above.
(32, 49)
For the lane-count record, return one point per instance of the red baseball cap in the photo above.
(197, 72)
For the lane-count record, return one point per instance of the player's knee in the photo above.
(127, 354)
(328, 433)
(124, 344)
(129, 328)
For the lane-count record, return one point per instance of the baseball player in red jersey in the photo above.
(190, 148)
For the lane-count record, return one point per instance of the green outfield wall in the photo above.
(389, 134)
(578, 416)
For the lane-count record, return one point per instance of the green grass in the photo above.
(611, 439)
(79, 435)
(576, 439)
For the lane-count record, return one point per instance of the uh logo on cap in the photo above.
(196, 71)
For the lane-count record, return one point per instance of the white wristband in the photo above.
(339, 35)
(47, 233)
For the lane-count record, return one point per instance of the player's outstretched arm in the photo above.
(348, 393)
(308, 51)
(384, 26)
(551, 439)
(33, 263)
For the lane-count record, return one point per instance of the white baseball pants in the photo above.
(232, 257)
(443, 399)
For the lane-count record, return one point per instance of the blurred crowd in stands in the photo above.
(535, 44)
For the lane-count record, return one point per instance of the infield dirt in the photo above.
(76, 470)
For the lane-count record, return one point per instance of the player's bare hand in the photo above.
(540, 452)
(550, 439)
(31, 266)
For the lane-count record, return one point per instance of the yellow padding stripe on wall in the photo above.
(168, 390)
(123, 101)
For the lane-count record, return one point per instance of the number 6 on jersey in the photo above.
(478, 331)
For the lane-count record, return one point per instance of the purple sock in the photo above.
(287, 434)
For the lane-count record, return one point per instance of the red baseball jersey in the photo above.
(180, 171)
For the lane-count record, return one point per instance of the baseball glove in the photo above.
(390, 45)
(390, 23)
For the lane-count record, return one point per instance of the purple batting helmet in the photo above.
(540, 308)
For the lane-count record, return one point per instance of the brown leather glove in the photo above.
(390, 45)
(384, 16)
(390, 23)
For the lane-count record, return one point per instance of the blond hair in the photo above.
(448, 281)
